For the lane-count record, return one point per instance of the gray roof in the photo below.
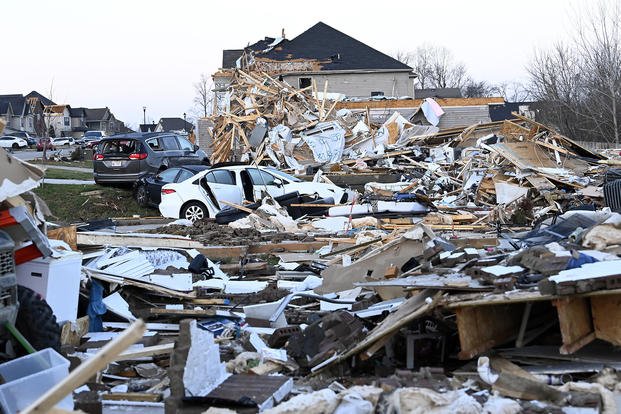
(18, 103)
(45, 101)
(77, 112)
(175, 124)
(334, 49)
(97, 114)
(230, 56)
(4, 107)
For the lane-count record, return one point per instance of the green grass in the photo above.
(69, 205)
(68, 175)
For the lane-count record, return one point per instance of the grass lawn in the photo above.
(68, 175)
(69, 203)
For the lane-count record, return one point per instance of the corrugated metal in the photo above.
(463, 116)
(612, 195)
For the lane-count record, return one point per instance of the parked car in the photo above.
(12, 142)
(147, 190)
(90, 139)
(25, 136)
(125, 158)
(63, 141)
(48, 144)
(200, 196)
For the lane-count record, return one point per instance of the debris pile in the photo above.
(477, 271)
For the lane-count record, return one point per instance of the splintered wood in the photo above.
(253, 96)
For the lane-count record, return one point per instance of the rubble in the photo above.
(478, 271)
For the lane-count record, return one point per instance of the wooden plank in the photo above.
(481, 328)
(182, 312)
(237, 206)
(606, 311)
(415, 103)
(286, 246)
(66, 234)
(132, 396)
(87, 369)
(118, 240)
(574, 316)
(147, 351)
(478, 243)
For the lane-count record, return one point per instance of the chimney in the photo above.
(283, 33)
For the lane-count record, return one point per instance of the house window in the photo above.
(377, 93)
(304, 82)
(67, 121)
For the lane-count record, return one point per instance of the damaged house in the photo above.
(333, 61)
(23, 113)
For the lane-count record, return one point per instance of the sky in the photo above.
(130, 54)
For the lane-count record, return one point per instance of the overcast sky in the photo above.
(129, 54)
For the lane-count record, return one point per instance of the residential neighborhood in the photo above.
(320, 208)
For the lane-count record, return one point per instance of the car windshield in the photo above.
(283, 175)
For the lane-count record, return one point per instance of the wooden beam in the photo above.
(87, 369)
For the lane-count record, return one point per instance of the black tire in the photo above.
(141, 196)
(15, 146)
(36, 321)
(194, 211)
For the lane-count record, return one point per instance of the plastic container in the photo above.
(29, 377)
(57, 280)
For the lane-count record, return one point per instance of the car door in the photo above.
(223, 186)
(172, 152)
(188, 154)
(155, 184)
(263, 181)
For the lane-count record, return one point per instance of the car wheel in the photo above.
(194, 211)
(15, 146)
(141, 196)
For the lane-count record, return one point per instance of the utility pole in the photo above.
(144, 115)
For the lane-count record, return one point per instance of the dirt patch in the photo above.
(211, 233)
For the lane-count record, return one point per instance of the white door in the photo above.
(222, 184)
(263, 181)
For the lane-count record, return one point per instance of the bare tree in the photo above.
(403, 57)
(512, 91)
(204, 95)
(437, 68)
(580, 82)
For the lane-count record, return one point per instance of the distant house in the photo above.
(78, 121)
(102, 119)
(58, 117)
(174, 125)
(23, 114)
(322, 56)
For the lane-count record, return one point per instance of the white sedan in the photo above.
(201, 196)
(13, 142)
(59, 142)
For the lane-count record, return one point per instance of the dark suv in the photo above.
(127, 157)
